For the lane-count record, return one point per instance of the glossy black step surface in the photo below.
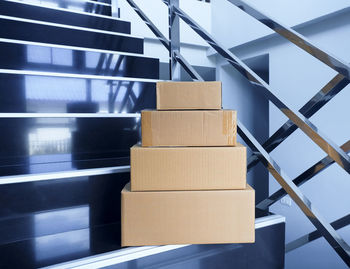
(59, 220)
(29, 31)
(50, 94)
(31, 146)
(91, 6)
(81, 217)
(35, 12)
(266, 253)
(19, 56)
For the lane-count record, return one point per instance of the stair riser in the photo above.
(72, 204)
(47, 59)
(59, 16)
(52, 145)
(49, 94)
(99, 7)
(28, 31)
(87, 209)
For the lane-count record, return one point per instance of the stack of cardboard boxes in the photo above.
(188, 179)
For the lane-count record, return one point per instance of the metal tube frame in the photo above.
(329, 233)
(333, 150)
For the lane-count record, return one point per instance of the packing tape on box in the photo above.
(146, 124)
(229, 125)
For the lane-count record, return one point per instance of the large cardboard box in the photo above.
(189, 128)
(188, 168)
(188, 95)
(187, 217)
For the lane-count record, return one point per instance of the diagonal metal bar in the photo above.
(333, 150)
(324, 228)
(150, 24)
(296, 38)
(302, 178)
(108, 63)
(303, 240)
(331, 89)
(100, 63)
(126, 96)
(188, 68)
(117, 65)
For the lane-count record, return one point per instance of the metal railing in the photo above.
(297, 119)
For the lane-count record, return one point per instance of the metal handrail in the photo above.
(305, 239)
(302, 178)
(337, 154)
(321, 98)
(299, 40)
(333, 150)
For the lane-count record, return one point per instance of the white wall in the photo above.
(296, 76)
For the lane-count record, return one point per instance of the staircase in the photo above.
(72, 83)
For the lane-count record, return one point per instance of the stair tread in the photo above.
(59, 46)
(20, 57)
(106, 239)
(62, 169)
(63, 16)
(36, 31)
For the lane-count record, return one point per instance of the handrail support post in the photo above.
(174, 39)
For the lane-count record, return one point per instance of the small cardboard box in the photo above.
(188, 168)
(187, 217)
(189, 128)
(189, 95)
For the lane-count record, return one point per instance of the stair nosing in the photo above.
(73, 75)
(28, 115)
(69, 10)
(11, 18)
(23, 178)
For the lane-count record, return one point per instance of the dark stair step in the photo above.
(34, 12)
(19, 56)
(88, 210)
(12, 28)
(28, 93)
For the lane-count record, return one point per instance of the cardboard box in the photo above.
(189, 128)
(188, 168)
(187, 217)
(189, 95)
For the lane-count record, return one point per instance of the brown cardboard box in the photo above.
(188, 95)
(189, 128)
(188, 168)
(187, 217)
